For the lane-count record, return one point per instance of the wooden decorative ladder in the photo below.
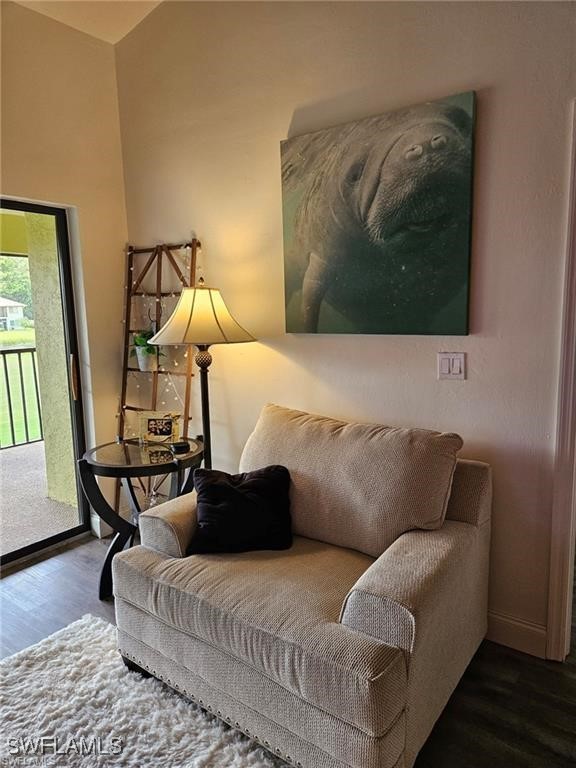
(159, 265)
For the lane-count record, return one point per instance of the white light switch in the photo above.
(451, 365)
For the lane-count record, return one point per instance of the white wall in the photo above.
(61, 144)
(207, 92)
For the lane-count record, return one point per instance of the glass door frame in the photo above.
(72, 357)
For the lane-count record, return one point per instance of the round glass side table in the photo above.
(126, 460)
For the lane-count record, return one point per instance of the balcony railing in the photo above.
(20, 411)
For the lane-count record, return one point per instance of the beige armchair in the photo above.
(342, 651)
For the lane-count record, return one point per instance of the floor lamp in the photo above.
(201, 318)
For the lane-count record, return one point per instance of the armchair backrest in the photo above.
(355, 485)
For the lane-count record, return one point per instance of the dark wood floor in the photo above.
(50, 591)
(510, 710)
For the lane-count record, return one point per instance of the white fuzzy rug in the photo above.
(73, 689)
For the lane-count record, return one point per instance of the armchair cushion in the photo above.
(239, 513)
(275, 612)
(356, 485)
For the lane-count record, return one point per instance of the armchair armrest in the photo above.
(169, 527)
(427, 594)
(426, 583)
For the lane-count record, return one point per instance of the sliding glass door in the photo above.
(41, 417)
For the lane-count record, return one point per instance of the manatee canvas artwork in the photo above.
(377, 218)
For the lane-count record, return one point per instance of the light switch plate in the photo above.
(451, 365)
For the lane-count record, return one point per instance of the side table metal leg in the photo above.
(124, 530)
(175, 483)
(117, 545)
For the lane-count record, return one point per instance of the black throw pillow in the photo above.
(239, 513)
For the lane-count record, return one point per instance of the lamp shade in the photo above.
(201, 318)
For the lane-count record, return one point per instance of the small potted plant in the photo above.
(146, 353)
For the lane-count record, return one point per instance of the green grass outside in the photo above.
(21, 337)
(13, 371)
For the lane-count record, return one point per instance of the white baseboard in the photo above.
(525, 636)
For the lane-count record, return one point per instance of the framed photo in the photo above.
(377, 218)
(159, 426)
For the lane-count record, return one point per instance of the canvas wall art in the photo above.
(377, 220)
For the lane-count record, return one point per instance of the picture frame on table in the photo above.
(159, 426)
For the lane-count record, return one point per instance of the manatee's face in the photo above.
(412, 197)
(415, 185)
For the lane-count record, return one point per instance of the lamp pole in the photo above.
(203, 359)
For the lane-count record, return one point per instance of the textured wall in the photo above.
(51, 351)
(207, 91)
(61, 145)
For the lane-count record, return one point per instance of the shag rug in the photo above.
(70, 701)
